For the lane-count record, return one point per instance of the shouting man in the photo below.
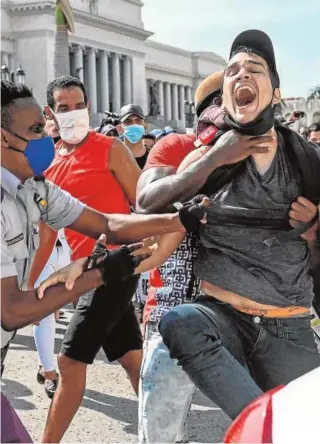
(251, 331)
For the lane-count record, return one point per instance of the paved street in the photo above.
(109, 410)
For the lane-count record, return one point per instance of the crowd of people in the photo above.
(216, 293)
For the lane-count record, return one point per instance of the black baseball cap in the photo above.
(260, 43)
(128, 110)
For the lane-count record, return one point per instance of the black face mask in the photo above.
(260, 125)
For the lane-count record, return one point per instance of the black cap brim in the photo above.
(125, 116)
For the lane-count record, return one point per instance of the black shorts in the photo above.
(104, 318)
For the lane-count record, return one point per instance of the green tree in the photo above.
(64, 25)
(314, 93)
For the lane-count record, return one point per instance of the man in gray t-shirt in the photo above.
(252, 332)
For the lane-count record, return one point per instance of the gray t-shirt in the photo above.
(234, 256)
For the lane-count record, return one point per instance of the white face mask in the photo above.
(74, 125)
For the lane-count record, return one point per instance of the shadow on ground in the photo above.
(204, 426)
(123, 410)
(15, 391)
(26, 343)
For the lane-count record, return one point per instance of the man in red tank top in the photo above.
(101, 172)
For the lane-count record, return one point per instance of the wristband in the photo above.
(191, 213)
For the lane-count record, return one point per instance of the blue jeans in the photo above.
(165, 393)
(233, 357)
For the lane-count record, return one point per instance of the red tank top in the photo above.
(86, 176)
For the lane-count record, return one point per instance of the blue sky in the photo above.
(211, 25)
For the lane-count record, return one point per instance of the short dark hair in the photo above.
(314, 127)
(10, 92)
(247, 50)
(63, 82)
(149, 136)
(240, 49)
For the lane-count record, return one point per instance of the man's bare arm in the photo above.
(160, 187)
(125, 228)
(314, 249)
(48, 238)
(125, 168)
(304, 211)
(20, 308)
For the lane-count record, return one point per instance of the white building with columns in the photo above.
(311, 109)
(110, 51)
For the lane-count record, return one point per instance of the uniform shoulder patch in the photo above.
(15, 240)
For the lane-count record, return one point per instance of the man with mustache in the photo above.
(251, 331)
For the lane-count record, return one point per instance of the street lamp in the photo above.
(19, 76)
(189, 111)
(5, 73)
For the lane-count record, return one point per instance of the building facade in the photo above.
(310, 107)
(110, 51)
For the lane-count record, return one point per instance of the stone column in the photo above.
(116, 92)
(181, 103)
(175, 106)
(78, 62)
(167, 101)
(127, 97)
(160, 97)
(11, 62)
(189, 94)
(104, 81)
(72, 61)
(148, 95)
(92, 79)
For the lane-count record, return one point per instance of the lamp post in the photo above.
(17, 77)
(189, 111)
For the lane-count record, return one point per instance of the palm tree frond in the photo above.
(64, 15)
(314, 93)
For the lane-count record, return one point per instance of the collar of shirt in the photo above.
(10, 182)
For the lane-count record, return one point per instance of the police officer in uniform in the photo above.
(26, 199)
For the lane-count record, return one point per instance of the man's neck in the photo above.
(16, 171)
(137, 149)
(263, 161)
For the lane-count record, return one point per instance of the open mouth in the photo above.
(245, 95)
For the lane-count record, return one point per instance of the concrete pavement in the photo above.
(109, 411)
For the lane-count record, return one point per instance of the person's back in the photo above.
(85, 174)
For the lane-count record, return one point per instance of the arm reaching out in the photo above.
(20, 308)
(166, 245)
(302, 211)
(159, 187)
(48, 238)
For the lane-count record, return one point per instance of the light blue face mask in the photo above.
(134, 133)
